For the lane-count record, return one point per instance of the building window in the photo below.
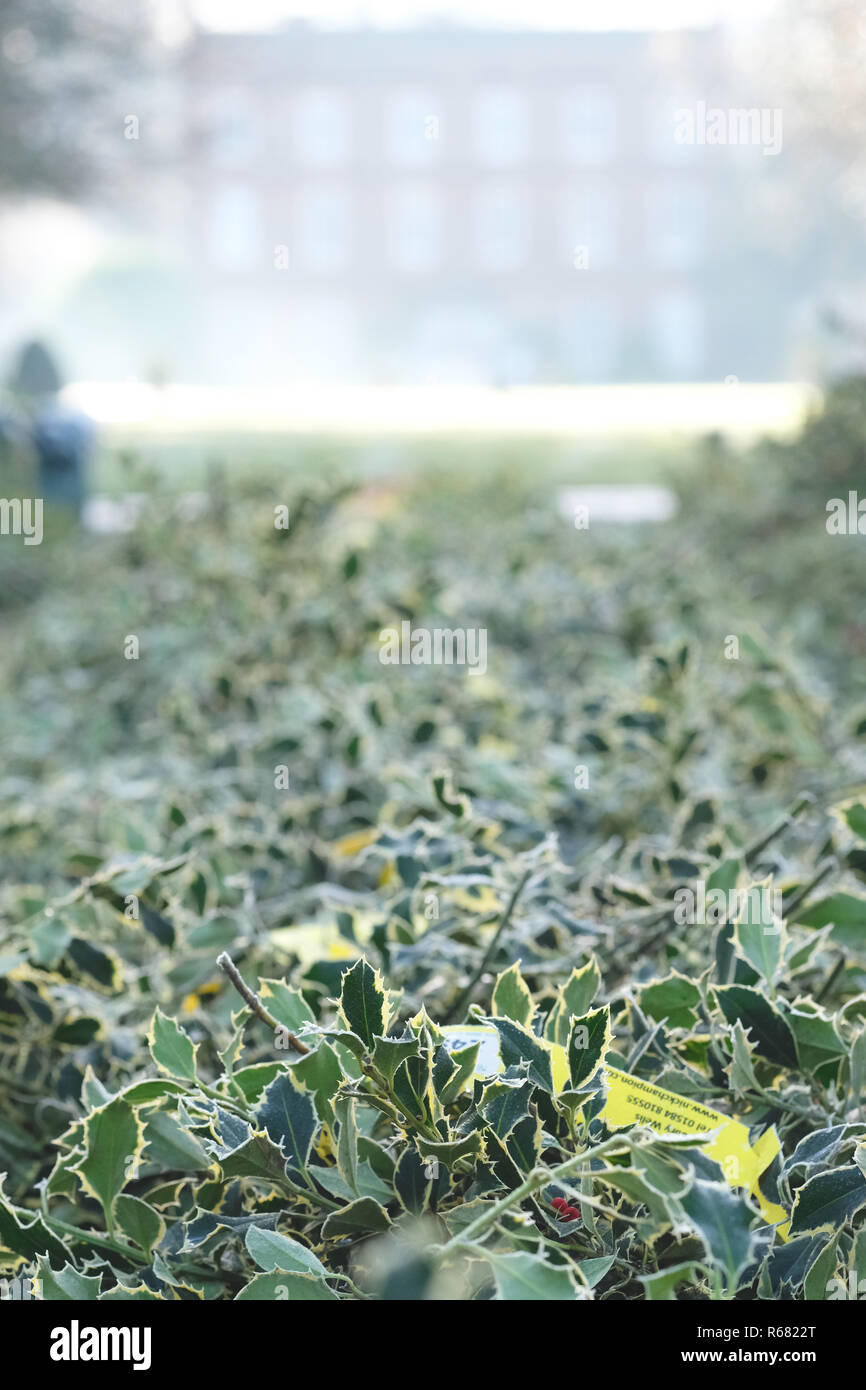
(411, 129)
(587, 126)
(322, 231)
(589, 230)
(414, 228)
(676, 226)
(321, 127)
(233, 230)
(230, 127)
(500, 126)
(501, 229)
(661, 128)
(590, 338)
(676, 325)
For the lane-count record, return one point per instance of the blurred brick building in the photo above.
(445, 204)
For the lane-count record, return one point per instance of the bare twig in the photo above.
(756, 849)
(823, 870)
(831, 979)
(466, 995)
(252, 1001)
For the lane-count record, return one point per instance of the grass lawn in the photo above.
(186, 459)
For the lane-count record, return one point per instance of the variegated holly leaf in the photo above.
(588, 1041)
(289, 1117)
(828, 1200)
(113, 1141)
(363, 1004)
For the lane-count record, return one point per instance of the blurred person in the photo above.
(61, 436)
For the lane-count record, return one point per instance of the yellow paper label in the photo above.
(633, 1101)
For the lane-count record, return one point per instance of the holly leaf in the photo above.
(388, 1053)
(365, 1215)
(525, 1278)
(24, 1234)
(67, 1285)
(285, 1285)
(770, 1032)
(347, 1141)
(270, 1250)
(588, 1041)
(517, 1044)
(722, 1221)
(761, 945)
(171, 1048)
(575, 997)
(819, 1046)
(413, 1181)
(855, 815)
(826, 1201)
(847, 914)
(511, 997)
(321, 1074)
(661, 1287)
(139, 1221)
(742, 1071)
(113, 1138)
(672, 1001)
(363, 1005)
(289, 1118)
(287, 1005)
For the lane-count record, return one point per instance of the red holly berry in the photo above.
(564, 1210)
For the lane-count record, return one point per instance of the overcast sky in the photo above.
(513, 14)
